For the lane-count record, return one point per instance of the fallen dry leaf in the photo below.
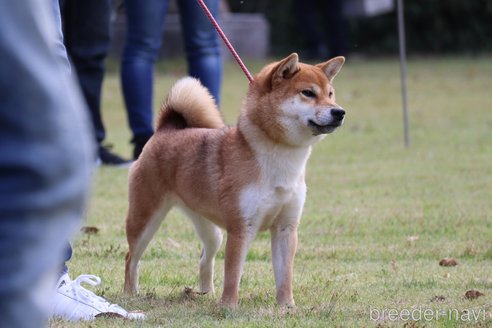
(438, 298)
(190, 294)
(411, 239)
(89, 230)
(412, 324)
(448, 262)
(473, 294)
(394, 266)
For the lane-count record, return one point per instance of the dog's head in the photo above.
(294, 103)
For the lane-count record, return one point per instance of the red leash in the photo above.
(226, 41)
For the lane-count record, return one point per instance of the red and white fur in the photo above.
(241, 179)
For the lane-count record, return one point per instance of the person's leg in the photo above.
(86, 30)
(145, 19)
(202, 44)
(67, 255)
(61, 53)
(335, 27)
(307, 13)
(59, 46)
(43, 174)
(86, 33)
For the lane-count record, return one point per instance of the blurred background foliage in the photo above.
(432, 27)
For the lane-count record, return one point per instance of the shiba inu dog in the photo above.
(241, 179)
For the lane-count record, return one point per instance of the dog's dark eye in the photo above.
(330, 94)
(308, 93)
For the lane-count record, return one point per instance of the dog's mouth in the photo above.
(323, 129)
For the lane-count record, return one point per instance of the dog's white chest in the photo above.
(261, 205)
(280, 188)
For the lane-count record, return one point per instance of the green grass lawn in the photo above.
(377, 221)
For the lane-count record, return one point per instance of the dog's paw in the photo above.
(226, 303)
(287, 304)
(287, 309)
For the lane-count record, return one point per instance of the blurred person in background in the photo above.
(46, 158)
(323, 27)
(145, 22)
(86, 36)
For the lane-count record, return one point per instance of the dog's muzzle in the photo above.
(324, 126)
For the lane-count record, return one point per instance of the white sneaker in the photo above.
(74, 302)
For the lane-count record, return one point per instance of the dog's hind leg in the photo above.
(141, 224)
(211, 237)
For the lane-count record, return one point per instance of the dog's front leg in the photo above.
(235, 256)
(284, 245)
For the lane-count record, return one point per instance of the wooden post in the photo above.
(403, 71)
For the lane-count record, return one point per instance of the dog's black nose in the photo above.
(337, 113)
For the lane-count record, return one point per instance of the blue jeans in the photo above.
(145, 22)
(86, 30)
(46, 155)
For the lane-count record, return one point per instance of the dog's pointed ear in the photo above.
(332, 67)
(286, 68)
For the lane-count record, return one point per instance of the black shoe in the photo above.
(139, 143)
(106, 157)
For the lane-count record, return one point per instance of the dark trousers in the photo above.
(86, 36)
(86, 30)
(322, 24)
(45, 160)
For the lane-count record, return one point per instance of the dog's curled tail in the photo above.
(189, 105)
